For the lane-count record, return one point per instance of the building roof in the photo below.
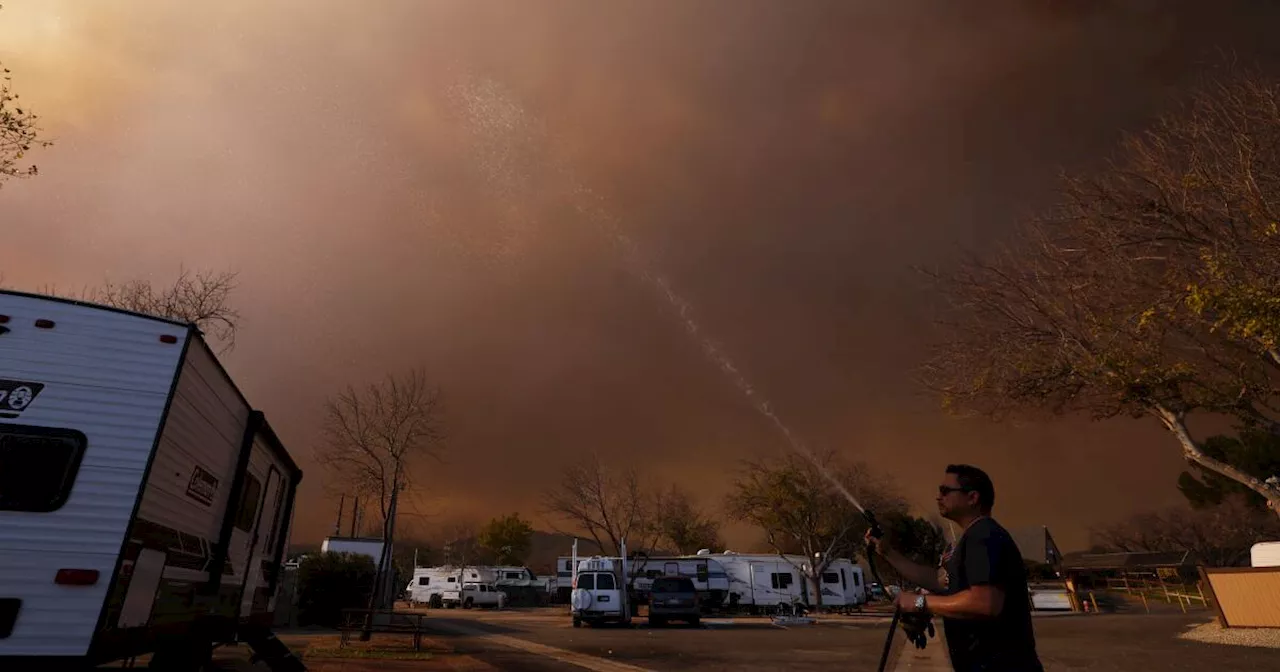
(1149, 560)
(1036, 545)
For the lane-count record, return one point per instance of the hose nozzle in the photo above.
(876, 530)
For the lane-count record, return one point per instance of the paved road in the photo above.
(544, 640)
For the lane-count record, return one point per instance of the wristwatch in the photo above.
(920, 604)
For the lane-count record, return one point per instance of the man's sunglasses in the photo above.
(944, 490)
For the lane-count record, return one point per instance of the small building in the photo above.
(1131, 570)
(1037, 545)
(370, 546)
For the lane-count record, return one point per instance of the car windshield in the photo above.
(673, 585)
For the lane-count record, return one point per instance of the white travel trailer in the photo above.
(144, 504)
(771, 582)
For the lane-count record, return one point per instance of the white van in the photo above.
(600, 593)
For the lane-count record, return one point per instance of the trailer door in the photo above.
(260, 544)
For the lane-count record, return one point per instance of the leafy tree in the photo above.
(509, 539)
(793, 503)
(1152, 291)
(1255, 452)
(916, 538)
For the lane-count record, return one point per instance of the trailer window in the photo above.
(702, 571)
(830, 577)
(781, 581)
(424, 580)
(248, 511)
(38, 466)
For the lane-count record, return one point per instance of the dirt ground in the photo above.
(542, 639)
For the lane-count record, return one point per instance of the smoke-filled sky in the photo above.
(400, 183)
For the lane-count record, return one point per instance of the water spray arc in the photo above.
(500, 121)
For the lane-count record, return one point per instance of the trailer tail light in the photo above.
(76, 577)
(44, 324)
(168, 338)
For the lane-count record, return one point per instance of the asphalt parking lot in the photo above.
(544, 640)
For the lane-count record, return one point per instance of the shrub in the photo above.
(331, 582)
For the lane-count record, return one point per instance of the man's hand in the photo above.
(880, 545)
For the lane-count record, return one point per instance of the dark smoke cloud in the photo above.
(783, 163)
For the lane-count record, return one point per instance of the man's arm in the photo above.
(983, 601)
(922, 575)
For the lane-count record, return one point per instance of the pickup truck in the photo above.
(474, 595)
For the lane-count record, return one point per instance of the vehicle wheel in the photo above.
(436, 602)
(695, 622)
(467, 603)
(577, 622)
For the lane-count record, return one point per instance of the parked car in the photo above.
(673, 598)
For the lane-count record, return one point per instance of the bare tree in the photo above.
(607, 505)
(374, 438)
(1152, 291)
(202, 299)
(792, 502)
(18, 132)
(1219, 536)
(682, 525)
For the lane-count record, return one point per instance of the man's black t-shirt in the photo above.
(987, 554)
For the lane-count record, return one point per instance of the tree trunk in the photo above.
(816, 579)
(378, 595)
(1176, 423)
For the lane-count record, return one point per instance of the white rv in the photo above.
(429, 584)
(520, 585)
(764, 582)
(144, 505)
(1265, 554)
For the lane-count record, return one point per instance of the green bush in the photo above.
(331, 582)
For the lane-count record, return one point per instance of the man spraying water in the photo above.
(980, 588)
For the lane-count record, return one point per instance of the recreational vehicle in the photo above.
(429, 584)
(520, 585)
(766, 582)
(144, 504)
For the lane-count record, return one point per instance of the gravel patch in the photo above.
(1212, 633)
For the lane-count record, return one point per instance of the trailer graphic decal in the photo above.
(16, 396)
(202, 487)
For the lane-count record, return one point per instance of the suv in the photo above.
(673, 598)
